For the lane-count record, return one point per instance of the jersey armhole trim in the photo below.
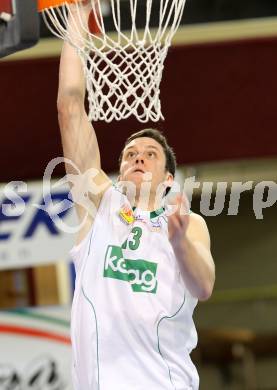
(158, 338)
(97, 337)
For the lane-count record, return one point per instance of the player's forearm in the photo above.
(196, 267)
(71, 78)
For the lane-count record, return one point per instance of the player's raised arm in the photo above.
(78, 136)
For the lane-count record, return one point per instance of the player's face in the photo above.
(144, 155)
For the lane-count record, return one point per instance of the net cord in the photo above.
(170, 10)
(145, 63)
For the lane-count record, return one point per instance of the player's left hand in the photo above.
(178, 222)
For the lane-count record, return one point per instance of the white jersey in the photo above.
(132, 326)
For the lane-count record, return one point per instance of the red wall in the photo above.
(6, 6)
(219, 101)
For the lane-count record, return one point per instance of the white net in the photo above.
(123, 69)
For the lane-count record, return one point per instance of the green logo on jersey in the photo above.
(141, 274)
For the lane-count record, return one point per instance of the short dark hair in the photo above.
(170, 164)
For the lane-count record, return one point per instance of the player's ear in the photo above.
(169, 179)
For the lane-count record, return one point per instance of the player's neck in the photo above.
(152, 203)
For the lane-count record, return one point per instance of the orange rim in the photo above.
(44, 4)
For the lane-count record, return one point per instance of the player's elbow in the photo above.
(206, 289)
(69, 106)
(205, 294)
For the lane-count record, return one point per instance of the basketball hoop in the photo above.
(123, 70)
(19, 26)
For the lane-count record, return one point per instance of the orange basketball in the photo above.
(92, 24)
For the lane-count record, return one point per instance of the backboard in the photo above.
(19, 25)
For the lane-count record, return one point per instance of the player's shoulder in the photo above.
(198, 227)
(197, 219)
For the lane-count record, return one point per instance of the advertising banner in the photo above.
(35, 349)
(29, 232)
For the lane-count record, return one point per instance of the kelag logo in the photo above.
(140, 274)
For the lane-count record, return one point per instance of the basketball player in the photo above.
(139, 271)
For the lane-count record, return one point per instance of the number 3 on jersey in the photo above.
(133, 241)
